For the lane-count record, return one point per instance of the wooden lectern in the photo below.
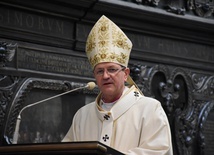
(77, 148)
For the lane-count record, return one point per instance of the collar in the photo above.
(126, 101)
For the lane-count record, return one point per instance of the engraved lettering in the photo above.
(59, 26)
(18, 19)
(185, 51)
(174, 48)
(138, 41)
(50, 24)
(161, 46)
(47, 62)
(167, 47)
(41, 24)
(29, 21)
(82, 31)
(36, 23)
(147, 42)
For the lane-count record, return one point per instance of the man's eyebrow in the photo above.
(111, 66)
(99, 68)
(107, 67)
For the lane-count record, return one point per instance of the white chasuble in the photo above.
(135, 125)
(108, 118)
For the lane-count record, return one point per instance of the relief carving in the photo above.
(175, 88)
(186, 128)
(7, 89)
(202, 8)
(147, 2)
(206, 128)
(176, 7)
(7, 52)
(203, 84)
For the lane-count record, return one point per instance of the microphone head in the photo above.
(90, 85)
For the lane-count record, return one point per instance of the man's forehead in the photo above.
(106, 65)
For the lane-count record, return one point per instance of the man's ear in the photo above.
(127, 72)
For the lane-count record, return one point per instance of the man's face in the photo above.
(110, 78)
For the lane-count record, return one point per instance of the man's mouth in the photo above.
(107, 83)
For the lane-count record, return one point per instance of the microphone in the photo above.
(89, 86)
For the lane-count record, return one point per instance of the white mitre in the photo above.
(107, 43)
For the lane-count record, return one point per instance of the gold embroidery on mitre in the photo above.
(107, 43)
(90, 42)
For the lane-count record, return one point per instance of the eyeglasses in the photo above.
(110, 71)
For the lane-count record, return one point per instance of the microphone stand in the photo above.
(18, 120)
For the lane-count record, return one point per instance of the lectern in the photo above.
(71, 148)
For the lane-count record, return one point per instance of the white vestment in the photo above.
(135, 125)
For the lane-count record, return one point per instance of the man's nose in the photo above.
(105, 74)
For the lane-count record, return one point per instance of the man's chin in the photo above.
(107, 90)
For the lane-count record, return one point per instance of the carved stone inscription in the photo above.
(36, 23)
(52, 62)
(175, 48)
(82, 31)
